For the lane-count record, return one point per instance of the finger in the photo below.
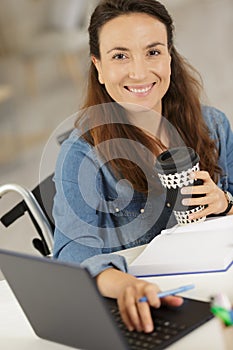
(210, 201)
(197, 201)
(122, 306)
(200, 190)
(131, 309)
(150, 291)
(143, 308)
(145, 317)
(134, 317)
(126, 319)
(171, 300)
(202, 175)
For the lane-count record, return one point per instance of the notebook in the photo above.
(193, 248)
(63, 305)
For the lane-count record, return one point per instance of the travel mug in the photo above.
(173, 168)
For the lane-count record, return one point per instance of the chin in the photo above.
(134, 107)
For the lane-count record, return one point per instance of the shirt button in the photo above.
(168, 205)
(117, 210)
(142, 210)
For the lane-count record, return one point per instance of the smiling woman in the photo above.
(142, 98)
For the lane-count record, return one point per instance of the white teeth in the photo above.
(139, 90)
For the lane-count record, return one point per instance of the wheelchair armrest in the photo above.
(35, 210)
(15, 213)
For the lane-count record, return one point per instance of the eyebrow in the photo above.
(120, 48)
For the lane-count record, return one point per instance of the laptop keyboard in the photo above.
(165, 332)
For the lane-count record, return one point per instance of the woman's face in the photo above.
(135, 61)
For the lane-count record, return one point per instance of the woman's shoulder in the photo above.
(215, 119)
(76, 140)
(211, 113)
(75, 146)
(72, 153)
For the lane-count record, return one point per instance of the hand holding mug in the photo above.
(210, 196)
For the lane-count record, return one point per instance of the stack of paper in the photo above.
(194, 248)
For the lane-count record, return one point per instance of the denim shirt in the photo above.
(95, 214)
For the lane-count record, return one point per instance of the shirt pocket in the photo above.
(137, 207)
(131, 220)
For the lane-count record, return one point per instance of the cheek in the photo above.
(112, 76)
(164, 70)
(169, 68)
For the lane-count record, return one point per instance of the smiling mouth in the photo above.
(140, 89)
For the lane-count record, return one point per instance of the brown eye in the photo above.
(154, 52)
(119, 56)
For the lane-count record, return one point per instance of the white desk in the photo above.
(16, 332)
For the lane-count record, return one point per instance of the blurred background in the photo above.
(43, 70)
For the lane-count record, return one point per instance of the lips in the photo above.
(140, 89)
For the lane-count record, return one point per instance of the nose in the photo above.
(137, 69)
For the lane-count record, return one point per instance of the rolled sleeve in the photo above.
(89, 257)
(99, 263)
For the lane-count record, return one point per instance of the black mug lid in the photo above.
(176, 160)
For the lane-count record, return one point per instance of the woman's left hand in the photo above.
(213, 198)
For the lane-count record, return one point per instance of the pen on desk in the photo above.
(170, 292)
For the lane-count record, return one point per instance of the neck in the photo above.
(150, 122)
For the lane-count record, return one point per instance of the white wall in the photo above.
(19, 19)
(204, 35)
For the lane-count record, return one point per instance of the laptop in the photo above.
(63, 305)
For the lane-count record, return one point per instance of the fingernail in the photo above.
(148, 328)
(183, 190)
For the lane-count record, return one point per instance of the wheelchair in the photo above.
(38, 203)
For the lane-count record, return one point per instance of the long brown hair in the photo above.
(181, 104)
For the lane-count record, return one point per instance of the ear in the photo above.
(170, 61)
(97, 65)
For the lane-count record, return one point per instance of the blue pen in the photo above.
(170, 292)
